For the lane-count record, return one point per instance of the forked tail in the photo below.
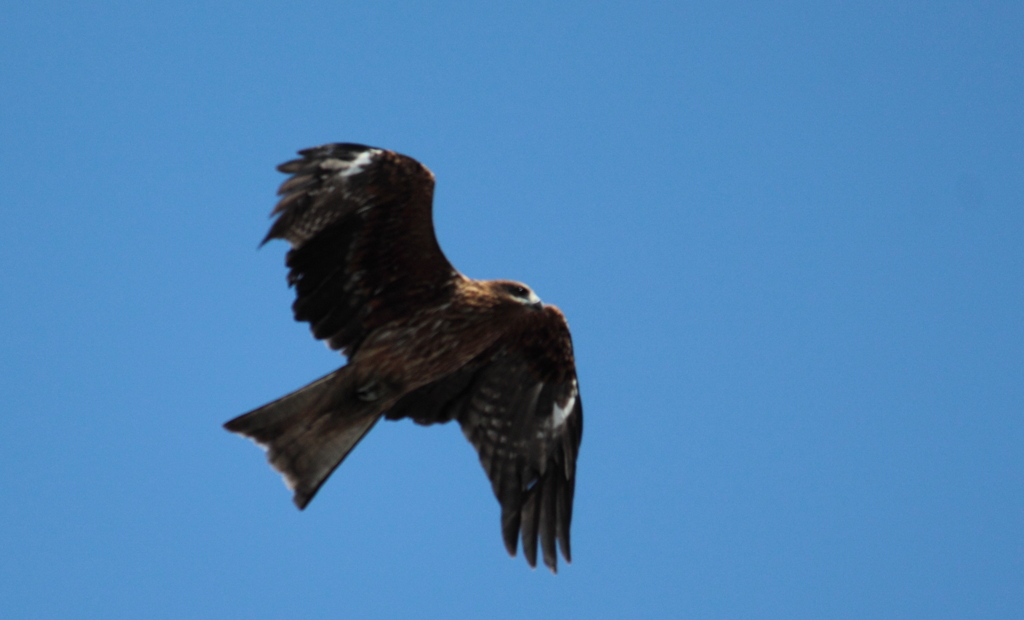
(309, 432)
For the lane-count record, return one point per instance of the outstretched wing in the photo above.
(362, 235)
(519, 405)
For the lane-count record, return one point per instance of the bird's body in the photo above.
(423, 342)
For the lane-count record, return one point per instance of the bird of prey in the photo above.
(422, 341)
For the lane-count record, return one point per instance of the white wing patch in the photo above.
(350, 168)
(560, 413)
(360, 162)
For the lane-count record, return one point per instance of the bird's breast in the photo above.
(429, 345)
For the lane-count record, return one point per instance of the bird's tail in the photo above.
(309, 432)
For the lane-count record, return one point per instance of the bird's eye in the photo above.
(518, 291)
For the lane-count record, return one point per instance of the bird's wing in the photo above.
(519, 405)
(362, 235)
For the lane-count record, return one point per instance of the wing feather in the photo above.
(507, 401)
(359, 220)
(548, 518)
(529, 523)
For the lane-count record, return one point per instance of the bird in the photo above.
(421, 341)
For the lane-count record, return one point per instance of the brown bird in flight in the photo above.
(423, 342)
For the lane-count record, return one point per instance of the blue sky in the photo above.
(788, 239)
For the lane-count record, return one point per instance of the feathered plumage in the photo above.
(423, 342)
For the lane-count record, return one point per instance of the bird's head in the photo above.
(516, 291)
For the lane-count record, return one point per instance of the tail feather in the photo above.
(309, 432)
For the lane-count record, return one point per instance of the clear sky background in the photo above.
(789, 239)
